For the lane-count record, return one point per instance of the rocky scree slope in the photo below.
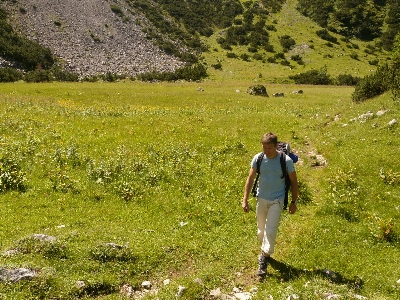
(89, 38)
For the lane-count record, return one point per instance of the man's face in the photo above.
(269, 149)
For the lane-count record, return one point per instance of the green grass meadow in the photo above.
(159, 169)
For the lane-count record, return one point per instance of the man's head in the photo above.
(269, 143)
(269, 138)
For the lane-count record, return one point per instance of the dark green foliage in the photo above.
(316, 10)
(190, 73)
(273, 6)
(116, 10)
(217, 66)
(297, 58)
(347, 79)
(383, 80)
(245, 57)
(360, 18)
(393, 26)
(315, 77)
(231, 55)
(61, 75)
(39, 76)
(28, 53)
(251, 31)
(287, 42)
(167, 27)
(325, 35)
(10, 75)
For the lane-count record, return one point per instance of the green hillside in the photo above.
(245, 39)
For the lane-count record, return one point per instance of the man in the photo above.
(270, 195)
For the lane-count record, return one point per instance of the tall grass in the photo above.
(158, 170)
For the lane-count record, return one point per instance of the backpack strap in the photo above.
(287, 179)
(259, 160)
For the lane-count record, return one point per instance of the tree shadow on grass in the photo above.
(287, 272)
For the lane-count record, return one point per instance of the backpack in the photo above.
(282, 149)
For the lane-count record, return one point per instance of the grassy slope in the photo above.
(302, 30)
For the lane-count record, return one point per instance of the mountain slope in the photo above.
(134, 37)
(90, 37)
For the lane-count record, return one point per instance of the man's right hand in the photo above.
(245, 206)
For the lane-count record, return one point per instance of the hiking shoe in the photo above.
(262, 265)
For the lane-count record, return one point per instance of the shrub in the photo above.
(374, 62)
(287, 42)
(10, 75)
(245, 57)
(375, 84)
(116, 10)
(315, 77)
(354, 55)
(217, 66)
(347, 79)
(280, 55)
(39, 76)
(297, 58)
(231, 55)
(191, 73)
(257, 56)
(325, 35)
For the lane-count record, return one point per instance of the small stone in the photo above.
(11, 252)
(243, 296)
(198, 281)
(44, 237)
(126, 290)
(216, 293)
(167, 281)
(80, 284)
(253, 290)
(181, 290)
(146, 285)
(16, 275)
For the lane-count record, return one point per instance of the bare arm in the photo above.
(247, 189)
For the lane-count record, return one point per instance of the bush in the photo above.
(245, 57)
(347, 79)
(39, 76)
(297, 58)
(325, 35)
(231, 55)
(287, 42)
(217, 66)
(10, 75)
(190, 73)
(257, 56)
(376, 84)
(315, 77)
